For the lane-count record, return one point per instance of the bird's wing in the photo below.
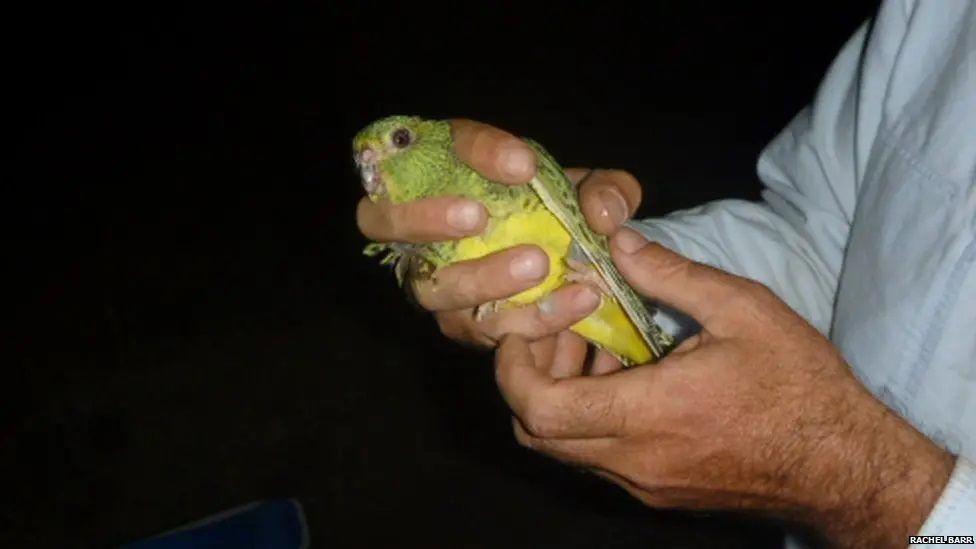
(559, 196)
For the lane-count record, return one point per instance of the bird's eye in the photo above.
(400, 138)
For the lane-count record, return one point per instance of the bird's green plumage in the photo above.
(408, 158)
(432, 168)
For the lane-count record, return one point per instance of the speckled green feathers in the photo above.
(559, 196)
(432, 169)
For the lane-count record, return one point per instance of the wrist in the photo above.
(893, 476)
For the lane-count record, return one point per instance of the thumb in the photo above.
(660, 274)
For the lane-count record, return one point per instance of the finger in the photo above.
(420, 221)
(543, 351)
(631, 488)
(608, 198)
(654, 271)
(570, 356)
(689, 344)
(459, 326)
(494, 153)
(555, 313)
(578, 407)
(604, 363)
(470, 283)
(583, 452)
(576, 175)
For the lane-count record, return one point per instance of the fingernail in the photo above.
(629, 241)
(585, 300)
(516, 161)
(528, 266)
(614, 205)
(547, 305)
(464, 216)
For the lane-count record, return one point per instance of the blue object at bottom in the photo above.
(277, 524)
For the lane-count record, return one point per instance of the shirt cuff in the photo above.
(954, 513)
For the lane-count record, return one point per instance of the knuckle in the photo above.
(522, 437)
(450, 325)
(397, 219)
(656, 498)
(478, 337)
(671, 266)
(416, 219)
(748, 294)
(542, 324)
(739, 295)
(515, 321)
(595, 406)
(468, 284)
(539, 419)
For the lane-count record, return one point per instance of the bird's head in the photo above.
(403, 157)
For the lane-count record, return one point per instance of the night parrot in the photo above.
(404, 158)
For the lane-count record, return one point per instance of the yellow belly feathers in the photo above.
(608, 326)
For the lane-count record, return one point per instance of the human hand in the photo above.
(758, 412)
(607, 198)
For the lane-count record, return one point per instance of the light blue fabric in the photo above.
(867, 227)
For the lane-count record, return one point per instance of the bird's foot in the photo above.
(485, 310)
(584, 273)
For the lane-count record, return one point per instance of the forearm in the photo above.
(891, 478)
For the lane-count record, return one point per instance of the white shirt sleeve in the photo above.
(793, 241)
(954, 513)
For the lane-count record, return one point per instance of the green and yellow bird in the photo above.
(404, 158)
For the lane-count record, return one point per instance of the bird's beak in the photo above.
(366, 159)
(365, 156)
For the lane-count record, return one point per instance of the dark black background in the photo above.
(193, 324)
